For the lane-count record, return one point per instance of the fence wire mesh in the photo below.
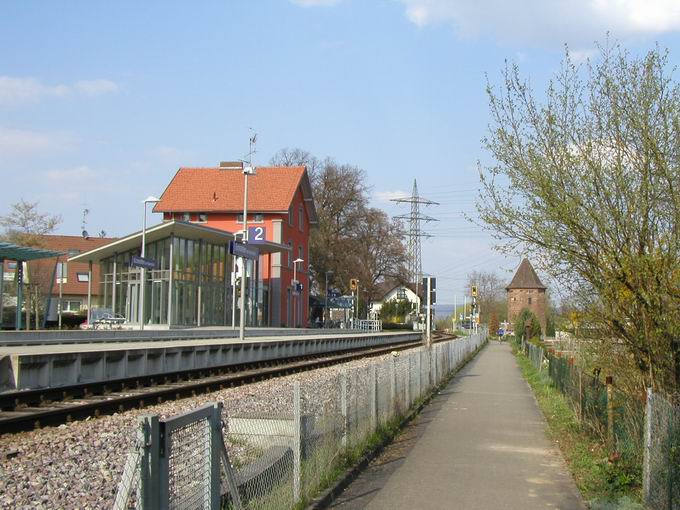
(662, 459)
(189, 460)
(279, 458)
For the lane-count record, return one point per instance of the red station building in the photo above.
(280, 206)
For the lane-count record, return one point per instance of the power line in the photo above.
(415, 261)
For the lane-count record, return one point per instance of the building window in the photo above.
(290, 254)
(254, 218)
(301, 256)
(401, 293)
(529, 300)
(186, 216)
(11, 265)
(290, 215)
(202, 218)
(83, 277)
(72, 306)
(301, 218)
(62, 272)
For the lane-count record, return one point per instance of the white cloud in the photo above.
(19, 141)
(15, 91)
(71, 175)
(314, 3)
(386, 196)
(578, 22)
(95, 87)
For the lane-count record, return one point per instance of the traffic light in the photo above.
(353, 284)
(474, 291)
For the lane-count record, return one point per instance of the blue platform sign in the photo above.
(257, 235)
(136, 261)
(243, 250)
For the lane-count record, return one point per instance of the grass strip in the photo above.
(603, 483)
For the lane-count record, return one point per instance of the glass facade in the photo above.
(190, 286)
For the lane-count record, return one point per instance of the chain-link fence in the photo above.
(662, 453)
(282, 457)
(609, 414)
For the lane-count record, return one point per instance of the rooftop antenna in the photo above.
(252, 141)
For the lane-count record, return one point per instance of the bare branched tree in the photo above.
(587, 178)
(352, 240)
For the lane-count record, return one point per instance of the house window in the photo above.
(529, 300)
(72, 306)
(202, 218)
(62, 272)
(72, 252)
(290, 215)
(401, 293)
(254, 218)
(11, 265)
(290, 254)
(83, 277)
(301, 218)
(300, 256)
(186, 216)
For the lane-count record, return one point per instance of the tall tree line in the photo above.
(352, 239)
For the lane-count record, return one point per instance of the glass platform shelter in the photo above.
(193, 281)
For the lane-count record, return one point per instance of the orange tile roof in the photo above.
(221, 190)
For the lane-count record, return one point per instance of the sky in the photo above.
(101, 102)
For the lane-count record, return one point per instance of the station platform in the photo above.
(479, 444)
(51, 364)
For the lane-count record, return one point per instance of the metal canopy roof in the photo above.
(9, 251)
(182, 229)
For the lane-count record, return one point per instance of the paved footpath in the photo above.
(480, 445)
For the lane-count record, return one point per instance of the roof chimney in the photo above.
(231, 165)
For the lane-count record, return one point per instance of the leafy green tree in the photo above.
(395, 310)
(527, 319)
(586, 177)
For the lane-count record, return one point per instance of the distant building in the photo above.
(526, 291)
(72, 277)
(280, 206)
(395, 291)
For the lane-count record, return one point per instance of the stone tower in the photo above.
(526, 291)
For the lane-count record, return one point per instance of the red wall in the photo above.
(227, 222)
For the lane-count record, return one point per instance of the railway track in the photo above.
(27, 410)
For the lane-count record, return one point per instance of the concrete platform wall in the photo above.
(22, 371)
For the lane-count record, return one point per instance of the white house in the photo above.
(394, 291)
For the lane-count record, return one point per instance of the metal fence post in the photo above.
(149, 482)
(215, 449)
(393, 386)
(646, 459)
(580, 395)
(373, 381)
(297, 442)
(610, 410)
(343, 407)
(408, 383)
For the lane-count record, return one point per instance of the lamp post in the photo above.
(247, 170)
(148, 200)
(325, 306)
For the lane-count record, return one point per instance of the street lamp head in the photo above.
(297, 261)
(151, 200)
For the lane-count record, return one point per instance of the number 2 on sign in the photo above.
(257, 234)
